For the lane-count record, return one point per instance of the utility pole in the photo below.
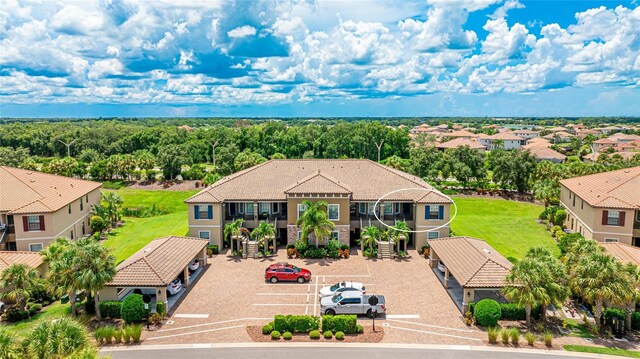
(68, 146)
(213, 154)
(379, 148)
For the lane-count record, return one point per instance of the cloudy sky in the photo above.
(319, 58)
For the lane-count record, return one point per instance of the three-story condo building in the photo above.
(274, 192)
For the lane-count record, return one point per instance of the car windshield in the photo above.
(336, 298)
(335, 287)
(296, 269)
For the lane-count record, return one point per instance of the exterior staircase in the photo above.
(3, 237)
(385, 250)
(252, 249)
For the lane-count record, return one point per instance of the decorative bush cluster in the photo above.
(110, 334)
(296, 323)
(340, 335)
(340, 323)
(287, 335)
(267, 329)
(133, 309)
(213, 248)
(111, 309)
(275, 335)
(328, 334)
(359, 329)
(487, 312)
(314, 334)
(512, 311)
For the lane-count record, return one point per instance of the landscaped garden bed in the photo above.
(367, 336)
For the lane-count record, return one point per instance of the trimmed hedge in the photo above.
(314, 334)
(340, 323)
(110, 309)
(340, 335)
(133, 309)
(296, 323)
(160, 309)
(267, 329)
(275, 335)
(610, 313)
(214, 248)
(512, 311)
(487, 312)
(635, 321)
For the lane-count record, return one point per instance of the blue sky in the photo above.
(319, 58)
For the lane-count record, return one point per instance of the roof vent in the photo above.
(486, 251)
(32, 180)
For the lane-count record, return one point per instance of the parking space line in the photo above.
(212, 323)
(435, 333)
(278, 305)
(200, 331)
(431, 326)
(275, 294)
(347, 275)
(402, 316)
(306, 307)
(192, 316)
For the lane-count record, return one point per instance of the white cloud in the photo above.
(501, 12)
(242, 31)
(75, 20)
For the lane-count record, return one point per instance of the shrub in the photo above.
(111, 309)
(108, 333)
(511, 311)
(345, 247)
(556, 231)
(275, 335)
(160, 309)
(340, 335)
(126, 335)
(133, 309)
(155, 318)
(359, 328)
(267, 329)
(635, 321)
(314, 334)
(611, 313)
(515, 336)
(492, 333)
(504, 334)
(136, 332)
(487, 312)
(531, 338)
(89, 306)
(328, 334)
(33, 308)
(99, 335)
(214, 248)
(559, 217)
(300, 245)
(15, 315)
(340, 323)
(117, 336)
(548, 339)
(287, 335)
(39, 293)
(296, 323)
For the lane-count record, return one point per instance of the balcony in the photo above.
(402, 212)
(249, 211)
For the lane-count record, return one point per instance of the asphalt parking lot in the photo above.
(232, 294)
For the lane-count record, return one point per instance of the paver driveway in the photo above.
(232, 293)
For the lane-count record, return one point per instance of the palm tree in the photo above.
(399, 231)
(233, 230)
(555, 280)
(633, 296)
(61, 338)
(112, 201)
(8, 345)
(96, 267)
(19, 278)
(525, 287)
(315, 219)
(597, 279)
(578, 250)
(63, 269)
(369, 236)
(263, 231)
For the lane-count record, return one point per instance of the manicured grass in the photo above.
(137, 232)
(580, 331)
(601, 350)
(52, 312)
(508, 226)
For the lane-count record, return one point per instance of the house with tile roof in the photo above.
(545, 153)
(274, 191)
(36, 208)
(461, 142)
(30, 259)
(508, 140)
(604, 206)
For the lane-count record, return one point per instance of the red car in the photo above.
(287, 273)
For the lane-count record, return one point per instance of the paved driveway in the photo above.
(232, 293)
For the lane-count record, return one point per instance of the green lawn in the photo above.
(601, 350)
(508, 226)
(52, 312)
(137, 232)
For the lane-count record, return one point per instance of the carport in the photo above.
(473, 269)
(151, 269)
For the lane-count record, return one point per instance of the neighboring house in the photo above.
(31, 259)
(593, 157)
(559, 137)
(603, 143)
(623, 252)
(36, 208)
(274, 192)
(544, 153)
(526, 133)
(460, 134)
(460, 142)
(604, 206)
(537, 141)
(509, 141)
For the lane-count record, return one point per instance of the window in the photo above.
(240, 208)
(204, 234)
(574, 200)
(388, 208)
(86, 197)
(299, 234)
(35, 247)
(69, 209)
(301, 209)
(433, 235)
(83, 230)
(249, 207)
(581, 204)
(34, 223)
(263, 207)
(335, 235)
(638, 216)
(81, 205)
(71, 235)
(613, 218)
(433, 212)
(362, 208)
(609, 240)
(333, 211)
(372, 208)
(203, 212)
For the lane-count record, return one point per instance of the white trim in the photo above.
(337, 235)
(328, 216)
(432, 226)
(35, 244)
(200, 234)
(298, 210)
(205, 226)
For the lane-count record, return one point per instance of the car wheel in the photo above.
(274, 280)
(300, 279)
(330, 312)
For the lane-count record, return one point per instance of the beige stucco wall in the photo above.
(292, 208)
(59, 223)
(425, 224)
(212, 225)
(587, 220)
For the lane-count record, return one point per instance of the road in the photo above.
(324, 352)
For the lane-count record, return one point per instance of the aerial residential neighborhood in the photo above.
(269, 179)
